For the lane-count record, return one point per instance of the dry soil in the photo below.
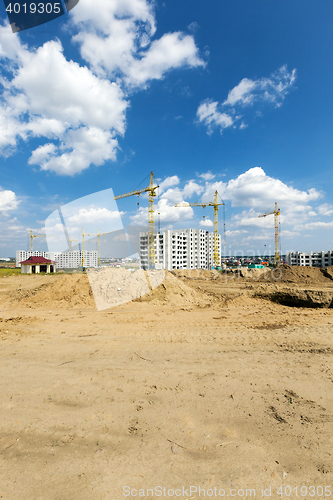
(206, 381)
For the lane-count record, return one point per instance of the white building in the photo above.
(313, 259)
(181, 249)
(69, 260)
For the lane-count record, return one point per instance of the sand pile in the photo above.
(112, 287)
(298, 274)
(197, 274)
(175, 292)
(296, 297)
(68, 291)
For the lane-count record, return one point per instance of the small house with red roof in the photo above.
(36, 265)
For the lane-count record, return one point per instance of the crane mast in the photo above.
(276, 213)
(32, 236)
(215, 205)
(83, 236)
(151, 219)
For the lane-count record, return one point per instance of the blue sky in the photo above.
(233, 95)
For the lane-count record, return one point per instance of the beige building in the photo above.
(36, 265)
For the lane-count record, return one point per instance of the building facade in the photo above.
(180, 249)
(313, 259)
(69, 260)
(36, 265)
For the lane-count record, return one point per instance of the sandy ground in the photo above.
(200, 383)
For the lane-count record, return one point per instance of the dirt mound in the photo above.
(112, 287)
(197, 274)
(295, 297)
(68, 291)
(174, 292)
(297, 274)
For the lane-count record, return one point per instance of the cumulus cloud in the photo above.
(81, 110)
(168, 213)
(325, 209)
(212, 117)
(271, 90)
(314, 225)
(119, 42)
(168, 182)
(80, 149)
(208, 176)
(255, 189)
(8, 200)
(93, 214)
(58, 99)
(206, 223)
(192, 188)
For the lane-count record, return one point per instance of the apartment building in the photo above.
(64, 260)
(180, 249)
(313, 259)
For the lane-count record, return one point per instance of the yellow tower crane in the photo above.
(83, 236)
(151, 222)
(276, 213)
(32, 236)
(215, 204)
(70, 243)
(99, 246)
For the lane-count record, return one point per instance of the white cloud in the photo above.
(271, 90)
(208, 113)
(92, 214)
(208, 176)
(168, 182)
(60, 100)
(289, 234)
(81, 110)
(325, 209)
(257, 190)
(82, 148)
(206, 223)
(173, 196)
(8, 200)
(171, 51)
(168, 213)
(242, 92)
(119, 42)
(192, 188)
(314, 225)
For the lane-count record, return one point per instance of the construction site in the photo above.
(169, 249)
(210, 377)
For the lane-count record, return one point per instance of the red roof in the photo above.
(37, 260)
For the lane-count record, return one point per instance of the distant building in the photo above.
(181, 249)
(69, 260)
(313, 259)
(36, 265)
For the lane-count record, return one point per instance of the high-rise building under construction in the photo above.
(180, 249)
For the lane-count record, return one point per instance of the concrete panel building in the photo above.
(313, 259)
(181, 249)
(69, 260)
